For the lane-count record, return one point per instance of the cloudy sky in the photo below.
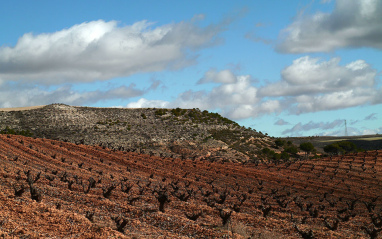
(286, 68)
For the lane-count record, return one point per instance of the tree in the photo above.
(307, 147)
(284, 156)
(340, 147)
(280, 142)
(292, 149)
(333, 149)
(348, 146)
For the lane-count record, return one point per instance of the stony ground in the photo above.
(184, 133)
(84, 191)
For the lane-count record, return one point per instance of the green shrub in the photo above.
(307, 147)
(160, 112)
(280, 142)
(292, 149)
(284, 156)
(8, 130)
(341, 147)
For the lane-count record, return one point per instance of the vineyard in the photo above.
(54, 189)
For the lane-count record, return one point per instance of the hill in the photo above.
(182, 133)
(51, 189)
(365, 142)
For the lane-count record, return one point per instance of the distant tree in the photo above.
(292, 149)
(268, 152)
(307, 147)
(280, 142)
(348, 146)
(333, 149)
(284, 156)
(341, 147)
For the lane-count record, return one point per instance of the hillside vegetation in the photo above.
(181, 133)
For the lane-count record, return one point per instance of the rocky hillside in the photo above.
(183, 133)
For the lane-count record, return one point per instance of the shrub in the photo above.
(284, 156)
(340, 148)
(160, 112)
(348, 146)
(178, 111)
(268, 152)
(333, 149)
(8, 130)
(280, 142)
(291, 149)
(307, 147)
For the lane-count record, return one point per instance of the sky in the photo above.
(285, 68)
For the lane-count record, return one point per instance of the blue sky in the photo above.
(286, 68)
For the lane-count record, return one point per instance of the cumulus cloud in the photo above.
(311, 85)
(307, 85)
(144, 103)
(333, 101)
(100, 50)
(352, 24)
(309, 75)
(16, 95)
(234, 97)
(370, 131)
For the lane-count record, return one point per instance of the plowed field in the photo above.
(84, 191)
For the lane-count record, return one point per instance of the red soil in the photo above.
(312, 194)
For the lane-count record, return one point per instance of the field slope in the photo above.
(82, 191)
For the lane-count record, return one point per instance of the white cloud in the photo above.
(235, 98)
(307, 85)
(100, 50)
(144, 103)
(371, 131)
(310, 85)
(16, 95)
(333, 101)
(310, 75)
(352, 23)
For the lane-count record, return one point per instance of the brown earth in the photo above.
(22, 108)
(336, 197)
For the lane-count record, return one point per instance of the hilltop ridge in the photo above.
(183, 133)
